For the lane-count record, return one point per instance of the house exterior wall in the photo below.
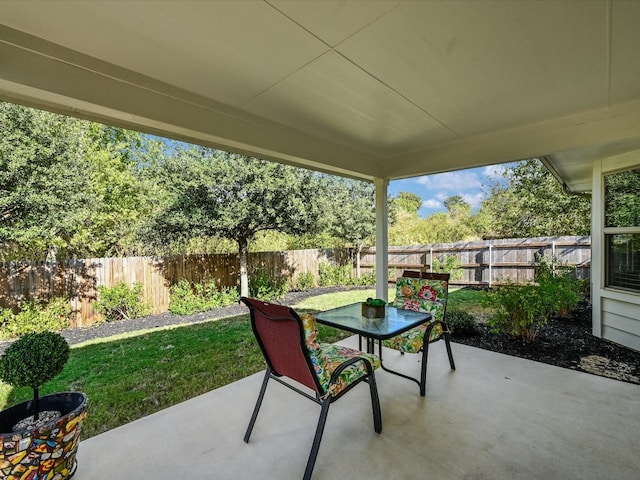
(616, 313)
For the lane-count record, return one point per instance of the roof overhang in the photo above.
(380, 89)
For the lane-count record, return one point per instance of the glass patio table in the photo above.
(350, 318)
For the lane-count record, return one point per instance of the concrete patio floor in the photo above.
(496, 417)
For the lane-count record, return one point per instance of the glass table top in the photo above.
(394, 322)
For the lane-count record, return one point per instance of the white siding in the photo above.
(616, 313)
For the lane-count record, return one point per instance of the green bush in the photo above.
(334, 275)
(560, 286)
(304, 281)
(450, 265)
(365, 280)
(34, 359)
(187, 298)
(121, 302)
(263, 287)
(35, 317)
(461, 322)
(521, 310)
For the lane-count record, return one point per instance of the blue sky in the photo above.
(434, 189)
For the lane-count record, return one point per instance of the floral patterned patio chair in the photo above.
(422, 292)
(290, 346)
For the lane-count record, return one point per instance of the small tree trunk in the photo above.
(36, 403)
(358, 251)
(243, 248)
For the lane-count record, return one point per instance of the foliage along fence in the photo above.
(483, 263)
(491, 262)
(78, 280)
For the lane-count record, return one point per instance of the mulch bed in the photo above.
(568, 343)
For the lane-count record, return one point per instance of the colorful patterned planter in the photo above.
(49, 451)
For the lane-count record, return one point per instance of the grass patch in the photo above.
(136, 374)
(133, 377)
(469, 300)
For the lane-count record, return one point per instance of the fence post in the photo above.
(490, 272)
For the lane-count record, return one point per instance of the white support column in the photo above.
(382, 239)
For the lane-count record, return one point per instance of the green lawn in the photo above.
(128, 377)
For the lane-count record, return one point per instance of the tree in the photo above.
(43, 180)
(68, 187)
(534, 204)
(407, 202)
(457, 206)
(353, 213)
(214, 193)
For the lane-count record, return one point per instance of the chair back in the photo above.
(279, 332)
(427, 275)
(423, 291)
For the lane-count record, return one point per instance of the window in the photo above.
(622, 229)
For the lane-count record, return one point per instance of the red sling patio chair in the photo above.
(428, 292)
(289, 343)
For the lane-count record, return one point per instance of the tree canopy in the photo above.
(214, 193)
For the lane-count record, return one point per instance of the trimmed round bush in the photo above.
(34, 359)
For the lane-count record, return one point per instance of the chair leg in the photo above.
(256, 409)
(423, 369)
(448, 345)
(317, 438)
(375, 404)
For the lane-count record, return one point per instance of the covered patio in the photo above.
(496, 417)
(375, 91)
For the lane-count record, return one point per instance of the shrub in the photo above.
(522, 310)
(461, 322)
(334, 275)
(304, 281)
(261, 286)
(34, 359)
(450, 265)
(35, 317)
(560, 286)
(187, 298)
(121, 302)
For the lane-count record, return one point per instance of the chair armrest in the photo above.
(336, 373)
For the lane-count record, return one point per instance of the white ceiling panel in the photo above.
(625, 61)
(227, 51)
(334, 20)
(470, 64)
(335, 99)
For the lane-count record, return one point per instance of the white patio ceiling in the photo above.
(369, 89)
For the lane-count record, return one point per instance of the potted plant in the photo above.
(373, 308)
(39, 438)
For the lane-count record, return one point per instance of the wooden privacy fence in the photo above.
(78, 280)
(490, 262)
(483, 263)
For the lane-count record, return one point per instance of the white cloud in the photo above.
(452, 181)
(474, 199)
(432, 203)
(496, 170)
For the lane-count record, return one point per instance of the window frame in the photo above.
(610, 231)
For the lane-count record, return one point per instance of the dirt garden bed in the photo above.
(568, 343)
